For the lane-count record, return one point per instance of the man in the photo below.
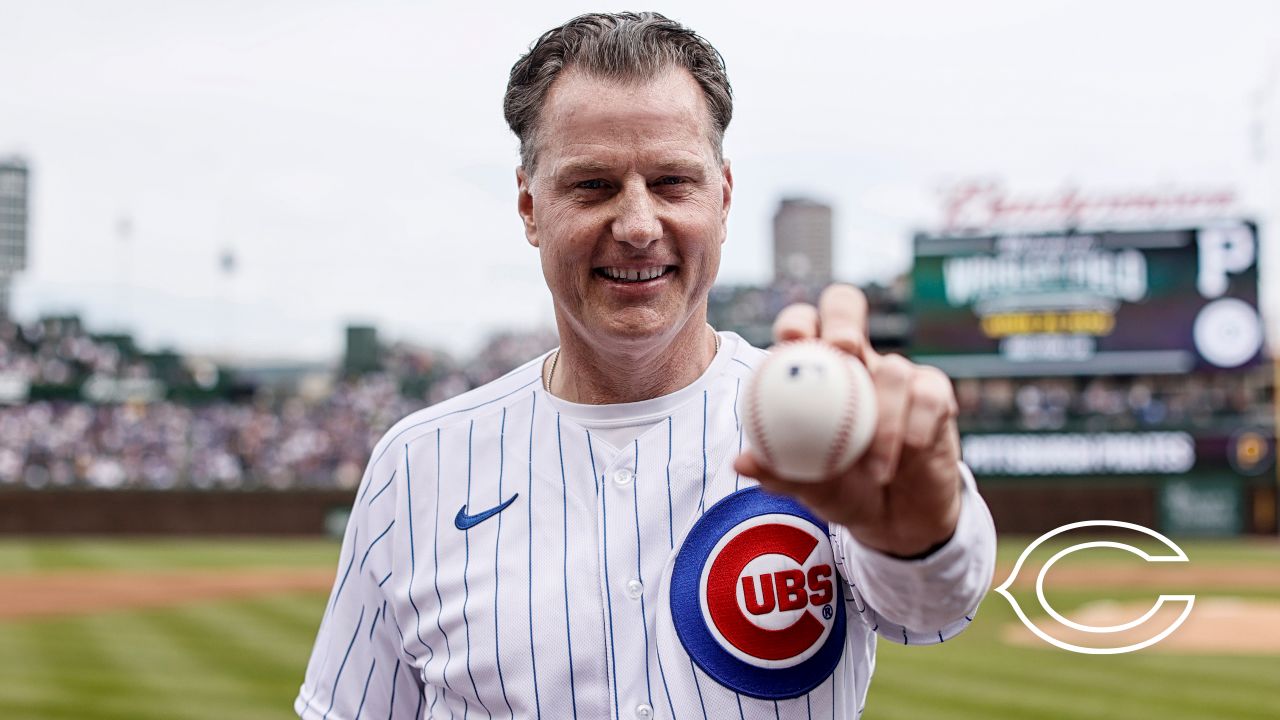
(583, 537)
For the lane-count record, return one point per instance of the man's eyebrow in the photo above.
(583, 167)
(589, 167)
(684, 167)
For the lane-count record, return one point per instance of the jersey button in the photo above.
(622, 476)
(635, 589)
(644, 711)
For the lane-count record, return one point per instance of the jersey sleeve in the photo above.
(925, 601)
(358, 666)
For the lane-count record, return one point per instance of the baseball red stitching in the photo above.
(753, 412)
(843, 430)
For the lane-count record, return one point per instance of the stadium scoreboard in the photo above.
(1088, 303)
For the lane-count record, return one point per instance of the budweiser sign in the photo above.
(982, 205)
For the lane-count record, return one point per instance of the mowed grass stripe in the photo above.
(297, 613)
(1240, 673)
(240, 659)
(1065, 681)
(66, 671)
(261, 666)
(996, 695)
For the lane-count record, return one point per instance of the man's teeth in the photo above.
(634, 275)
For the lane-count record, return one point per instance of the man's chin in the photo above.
(636, 327)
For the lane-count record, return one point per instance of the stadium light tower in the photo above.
(13, 225)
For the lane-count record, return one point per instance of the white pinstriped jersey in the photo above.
(555, 600)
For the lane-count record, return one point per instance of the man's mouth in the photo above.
(634, 275)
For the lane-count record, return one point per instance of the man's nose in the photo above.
(637, 222)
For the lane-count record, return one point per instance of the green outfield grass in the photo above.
(244, 659)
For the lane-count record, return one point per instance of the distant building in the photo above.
(802, 240)
(13, 226)
(363, 354)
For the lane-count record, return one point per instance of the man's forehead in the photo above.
(588, 160)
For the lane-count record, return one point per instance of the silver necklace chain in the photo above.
(555, 359)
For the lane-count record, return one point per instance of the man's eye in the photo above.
(591, 185)
(670, 180)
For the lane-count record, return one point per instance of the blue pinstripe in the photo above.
(435, 575)
(776, 716)
(384, 580)
(452, 412)
(564, 500)
(401, 633)
(671, 543)
(808, 709)
(497, 543)
(324, 662)
(391, 705)
(466, 588)
(737, 422)
(608, 595)
(375, 542)
(384, 488)
(408, 496)
(374, 625)
(737, 388)
(333, 693)
(737, 478)
(662, 673)
(671, 526)
(743, 364)
(702, 499)
(834, 676)
(366, 482)
(533, 656)
(741, 716)
(364, 695)
(355, 541)
(696, 685)
(594, 475)
(644, 616)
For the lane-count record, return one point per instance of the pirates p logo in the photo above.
(755, 596)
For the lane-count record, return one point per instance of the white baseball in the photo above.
(810, 411)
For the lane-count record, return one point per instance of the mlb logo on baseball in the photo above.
(768, 590)
(756, 598)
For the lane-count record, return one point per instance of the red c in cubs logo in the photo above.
(768, 590)
(756, 599)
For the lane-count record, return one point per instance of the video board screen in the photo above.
(1089, 303)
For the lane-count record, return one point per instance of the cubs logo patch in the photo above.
(755, 596)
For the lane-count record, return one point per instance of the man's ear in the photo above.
(524, 205)
(726, 198)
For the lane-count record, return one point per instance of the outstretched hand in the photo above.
(903, 496)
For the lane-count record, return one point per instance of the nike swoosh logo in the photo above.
(463, 521)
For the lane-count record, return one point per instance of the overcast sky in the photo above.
(354, 159)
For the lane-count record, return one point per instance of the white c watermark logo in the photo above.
(1177, 556)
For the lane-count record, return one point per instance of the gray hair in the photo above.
(619, 46)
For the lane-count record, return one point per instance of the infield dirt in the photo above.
(86, 592)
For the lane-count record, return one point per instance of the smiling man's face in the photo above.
(627, 204)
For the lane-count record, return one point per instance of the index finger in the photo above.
(842, 319)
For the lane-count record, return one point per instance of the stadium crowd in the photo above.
(202, 433)
(1114, 403)
(300, 437)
